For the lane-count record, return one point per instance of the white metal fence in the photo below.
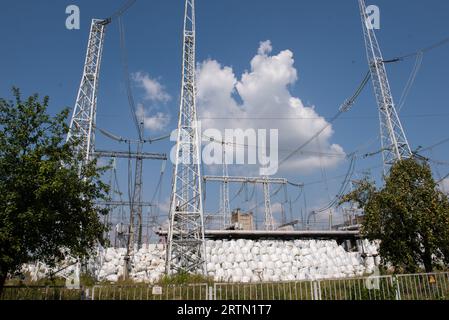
(139, 292)
(430, 286)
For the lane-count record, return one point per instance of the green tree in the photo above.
(409, 215)
(46, 205)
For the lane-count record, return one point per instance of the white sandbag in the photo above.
(286, 270)
(278, 264)
(244, 250)
(252, 264)
(112, 278)
(248, 272)
(274, 257)
(239, 257)
(255, 278)
(237, 272)
(369, 262)
(269, 272)
(210, 267)
(295, 251)
(255, 250)
(109, 257)
(241, 243)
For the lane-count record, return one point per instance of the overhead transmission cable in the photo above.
(410, 81)
(425, 49)
(126, 77)
(128, 4)
(346, 106)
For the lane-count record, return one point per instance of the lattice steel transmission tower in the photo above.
(394, 142)
(186, 246)
(225, 209)
(82, 126)
(265, 181)
(269, 221)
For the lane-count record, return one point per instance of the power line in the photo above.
(410, 81)
(126, 77)
(293, 118)
(435, 145)
(125, 7)
(425, 49)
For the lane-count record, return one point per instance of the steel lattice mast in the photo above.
(225, 208)
(394, 142)
(269, 222)
(82, 126)
(186, 246)
(265, 181)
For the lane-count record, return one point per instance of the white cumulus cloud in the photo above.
(444, 185)
(154, 91)
(156, 122)
(266, 103)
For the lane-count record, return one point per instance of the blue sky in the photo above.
(325, 38)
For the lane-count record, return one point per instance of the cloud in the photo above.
(164, 206)
(154, 91)
(156, 122)
(444, 186)
(266, 103)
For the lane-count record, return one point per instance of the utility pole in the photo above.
(186, 246)
(394, 142)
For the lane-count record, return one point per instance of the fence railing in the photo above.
(40, 293)
(429, 286)
(139, 292)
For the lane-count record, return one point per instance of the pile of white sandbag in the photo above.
(248, 261)
(147, 264)
(254, 261)
(371, 251)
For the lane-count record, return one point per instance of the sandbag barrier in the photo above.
(241, 261)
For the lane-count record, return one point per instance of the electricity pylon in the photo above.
(225, 209)
(186, 246)
(394, 142)
(82, 126)
(269, 221)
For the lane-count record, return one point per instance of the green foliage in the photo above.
(409, 215)
(184, 278)
(46, 203)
